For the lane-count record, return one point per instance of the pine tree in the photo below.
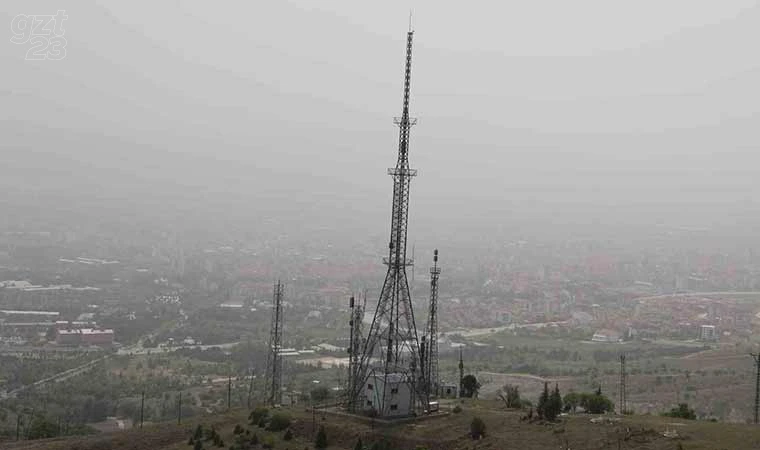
(555, 404)
(321, 442)
(543, 402)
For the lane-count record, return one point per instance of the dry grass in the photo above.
(504, 430)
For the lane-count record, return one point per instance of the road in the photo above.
(57, 378)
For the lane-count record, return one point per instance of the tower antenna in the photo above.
(431, 355)
(274, 358)
(391, 351)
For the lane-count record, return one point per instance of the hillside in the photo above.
(448, 432)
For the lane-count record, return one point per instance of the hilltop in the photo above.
(505, 429)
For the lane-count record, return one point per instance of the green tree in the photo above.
(596, 403)
(543, 402)
(321, 441)
(571, 401)
(278, 422)
(470, 386)
(554, 406)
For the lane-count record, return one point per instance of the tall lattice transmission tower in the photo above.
(274, 357)
(431, 332)
(391, 356)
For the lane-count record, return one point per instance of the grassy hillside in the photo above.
(505, 430)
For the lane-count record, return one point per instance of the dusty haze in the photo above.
(581, 115)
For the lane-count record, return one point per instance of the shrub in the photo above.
(278, 422)
(477, 428)
(257, 414)
(682, 412)
(288, 435)
(457, 409)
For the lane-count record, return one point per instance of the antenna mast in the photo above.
(431, 356)
(274, 358)
(392, 339)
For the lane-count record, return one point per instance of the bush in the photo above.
(268, 442)
(257, 414)
(477, 428)
(320, 394)
(288, 435)
(457, 409)
(682, 412)
(511, 396)
(278, 422)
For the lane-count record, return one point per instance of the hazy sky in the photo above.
(584, 111)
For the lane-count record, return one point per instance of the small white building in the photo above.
(707, 333)
(448, 390)
(389, 395)
(606, 336)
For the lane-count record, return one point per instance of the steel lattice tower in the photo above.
(392, 338)
(356, 342)
(431, 332)
(274, 357)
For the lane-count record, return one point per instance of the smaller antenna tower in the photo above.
(431, 355)
(756, 357)
(356, 343)
(623, 376)
(274, 358)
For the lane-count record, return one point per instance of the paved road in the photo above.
(57, 378)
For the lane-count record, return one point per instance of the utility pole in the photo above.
(622, 395)
(18, 425)
(142, 408)
(250, 389)
(179, 409)
(229, 391)
(756, 357)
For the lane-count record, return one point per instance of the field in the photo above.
(505, 430)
